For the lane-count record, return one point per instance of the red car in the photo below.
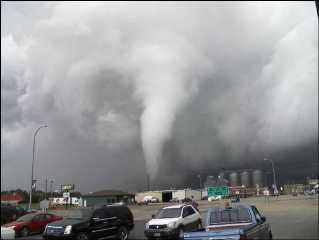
(32, 223)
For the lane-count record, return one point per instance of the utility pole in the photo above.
(46, 188)
(51, 186)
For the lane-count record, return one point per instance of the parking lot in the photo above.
(290, 217)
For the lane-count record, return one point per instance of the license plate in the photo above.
(157, 234)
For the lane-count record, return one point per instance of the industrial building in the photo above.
(168, 195)
(108, 197)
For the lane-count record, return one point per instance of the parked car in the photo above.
(171, 222)
(10, 212)
(150, 199)
(7, 233)
(32, 223)
(239, 221)
(108, 221)
(214, 198)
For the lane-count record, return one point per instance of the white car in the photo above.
(171, 222)
(214, 198)
(7, 233)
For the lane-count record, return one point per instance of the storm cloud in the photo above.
(159, 89)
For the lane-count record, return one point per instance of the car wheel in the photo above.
(82, 236)
(24, 232)
(122, 233)
(181, 233)
(199, 225)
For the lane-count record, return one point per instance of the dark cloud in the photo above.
(164, 89)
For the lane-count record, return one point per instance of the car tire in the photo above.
(180, 233)
(24, 232)
(199, 225)
(270, 235)
(82, 236)
(122, 233)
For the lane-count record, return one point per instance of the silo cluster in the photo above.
(248, 178)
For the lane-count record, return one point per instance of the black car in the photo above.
(107, 222)
(10, 212)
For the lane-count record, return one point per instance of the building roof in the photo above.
(108, 193)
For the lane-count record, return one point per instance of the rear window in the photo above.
(228, 216)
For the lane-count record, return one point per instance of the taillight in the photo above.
(243, 237)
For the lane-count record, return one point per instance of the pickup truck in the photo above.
(239, 221)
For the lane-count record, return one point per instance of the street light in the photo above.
(273, 170)
(32, 180)
(200, 185)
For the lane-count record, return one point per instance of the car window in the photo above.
(188, 211)
(27, 217)
(227, 216)
(257, 214)
(102, 213)
(191, 211)
(169, 213)
(38, 217)
(48, 217)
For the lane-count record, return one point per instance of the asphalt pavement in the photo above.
(289, 217)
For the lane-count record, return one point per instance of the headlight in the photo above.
(147, 225)
(171, 225)
(68, 229)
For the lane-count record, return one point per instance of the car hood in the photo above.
(161, 221)
(14, 224)
(67, 221)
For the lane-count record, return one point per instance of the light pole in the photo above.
(200, 185)
(51, 186)
(273, 170)
(32, 180)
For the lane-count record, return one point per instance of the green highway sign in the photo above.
(218, 191)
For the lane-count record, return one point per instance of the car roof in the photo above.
(176, 206)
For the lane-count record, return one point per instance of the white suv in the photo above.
(171, 222)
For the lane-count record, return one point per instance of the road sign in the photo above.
(66, 194)
(67, 188)
(218, 191)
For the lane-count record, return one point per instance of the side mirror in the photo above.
(263, 219)
(153, 215)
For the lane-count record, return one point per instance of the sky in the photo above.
(160, 89)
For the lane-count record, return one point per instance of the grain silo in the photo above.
(244, 178)
(233, 178)
(257, 178)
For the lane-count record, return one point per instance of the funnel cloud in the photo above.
(165, 90)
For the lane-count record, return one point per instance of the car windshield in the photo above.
(228, 216)
(25, 218)
(78, 214)
(168, 213)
